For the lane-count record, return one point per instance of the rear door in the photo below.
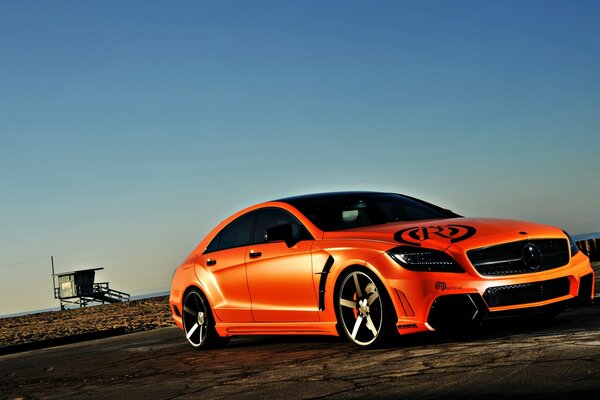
(224, 259)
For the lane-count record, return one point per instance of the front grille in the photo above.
(526, 293)
(507, 258)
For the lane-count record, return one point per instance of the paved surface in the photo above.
(555, 359)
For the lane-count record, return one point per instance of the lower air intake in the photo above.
(526, 293)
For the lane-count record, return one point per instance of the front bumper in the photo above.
(430, 301)
(459, 310)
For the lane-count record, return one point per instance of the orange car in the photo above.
(370, 266)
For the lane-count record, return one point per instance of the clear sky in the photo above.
(129, 129)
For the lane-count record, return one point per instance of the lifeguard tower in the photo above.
(79, 288)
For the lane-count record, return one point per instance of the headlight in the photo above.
(572, 244)
(424, 260)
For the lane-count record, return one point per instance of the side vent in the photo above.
(176, 311)
(323, 280)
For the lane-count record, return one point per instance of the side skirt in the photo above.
(270, 328)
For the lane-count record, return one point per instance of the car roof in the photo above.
(329, 195)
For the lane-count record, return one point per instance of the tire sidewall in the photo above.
(388, 330)
(212, 339)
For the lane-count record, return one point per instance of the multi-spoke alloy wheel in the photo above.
(361, 308)
(194, 319)
(197, 322)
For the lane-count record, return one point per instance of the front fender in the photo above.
(345, 254)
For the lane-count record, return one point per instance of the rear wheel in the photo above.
(365, 313)
(198, 322)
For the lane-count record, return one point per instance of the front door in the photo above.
(280, 277)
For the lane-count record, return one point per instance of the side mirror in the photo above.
(283, 232)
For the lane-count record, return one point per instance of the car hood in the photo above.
(466, 233)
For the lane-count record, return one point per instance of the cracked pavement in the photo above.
(559, 358)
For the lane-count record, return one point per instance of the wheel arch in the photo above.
(186, 277)
(195, 286)
(366, 267)
(341, 272)
(204, 292)
(388, 313)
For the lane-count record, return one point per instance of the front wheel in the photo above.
(364, 311)
(198, 322)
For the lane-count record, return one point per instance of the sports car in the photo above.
(370, 267)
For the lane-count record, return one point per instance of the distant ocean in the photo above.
(147, 296)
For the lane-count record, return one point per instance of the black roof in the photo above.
(304, 200)
(328, 195)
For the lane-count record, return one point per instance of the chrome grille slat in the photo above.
(500, 261)
(506, 258)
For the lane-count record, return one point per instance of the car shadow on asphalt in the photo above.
(572, 320)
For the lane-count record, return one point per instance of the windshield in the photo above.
(333, 212)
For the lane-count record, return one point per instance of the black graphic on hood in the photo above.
(453, 233)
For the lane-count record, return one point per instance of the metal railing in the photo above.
(99, 292)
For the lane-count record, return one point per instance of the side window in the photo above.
(214, 244)
(270, 217)
(236, 234)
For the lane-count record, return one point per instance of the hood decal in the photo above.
(453, 233)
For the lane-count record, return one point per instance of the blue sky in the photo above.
(129, 129)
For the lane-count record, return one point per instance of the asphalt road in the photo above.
(555, 359)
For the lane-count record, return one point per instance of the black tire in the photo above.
(198, 322)
(364, 310)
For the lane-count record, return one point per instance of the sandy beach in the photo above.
(116, 318)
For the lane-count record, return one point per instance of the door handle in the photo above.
(255, 254)
(211, 261)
